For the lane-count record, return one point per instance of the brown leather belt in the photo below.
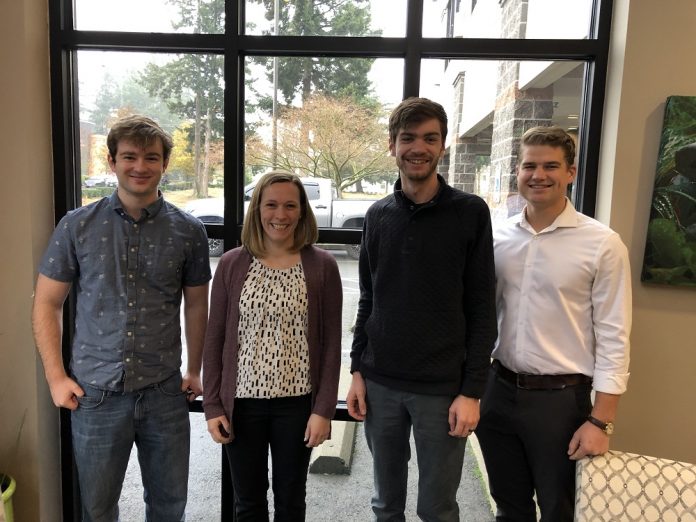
(526, 381)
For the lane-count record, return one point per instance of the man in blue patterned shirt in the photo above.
(130, 257)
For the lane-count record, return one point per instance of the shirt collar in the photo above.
(399, 194)
(148, 212)
(566, 219)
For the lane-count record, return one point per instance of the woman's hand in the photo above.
(318, 430)
(220, 430)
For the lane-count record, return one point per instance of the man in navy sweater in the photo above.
(426, 321)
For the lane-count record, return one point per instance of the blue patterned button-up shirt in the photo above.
(128, 277)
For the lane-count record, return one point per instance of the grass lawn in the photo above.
(181, 197)
(176, 197)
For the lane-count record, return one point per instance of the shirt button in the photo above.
(130, 276)
(129, 334)
(128, 359)
(130, 304)
(132, 249)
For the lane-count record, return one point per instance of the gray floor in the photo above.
(334, 498)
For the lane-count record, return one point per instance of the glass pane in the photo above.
(510, 19)
(324, 119)
(490, 104)
(151, 16)
(333, 133)
(183, 93)
(327, 18)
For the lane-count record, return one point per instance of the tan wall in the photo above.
(26, 218)
(656, 415)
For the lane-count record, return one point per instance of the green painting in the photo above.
(670, 250)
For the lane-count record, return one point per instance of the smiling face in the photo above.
(138, 170)
(280, 212)
(417, 149)
(543, 176)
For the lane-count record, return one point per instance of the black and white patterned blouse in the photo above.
(273, 350)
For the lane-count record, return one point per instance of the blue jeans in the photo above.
(279, 425)
(104, 427)
(390, 415)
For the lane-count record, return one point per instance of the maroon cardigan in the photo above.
(324, 309)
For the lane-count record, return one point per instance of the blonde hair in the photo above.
(306, 232)
(552, 136)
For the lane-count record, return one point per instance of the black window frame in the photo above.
(235, 46)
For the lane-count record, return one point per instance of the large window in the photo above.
(307, 86)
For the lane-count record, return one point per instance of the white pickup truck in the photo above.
(330, 212)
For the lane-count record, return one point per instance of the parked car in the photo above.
(209, 210)
(101, 180)
(330, 212)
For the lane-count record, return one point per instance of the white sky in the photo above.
(387, 15)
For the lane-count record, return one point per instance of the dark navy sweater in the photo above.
(426, 317)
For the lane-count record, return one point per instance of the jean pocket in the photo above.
(171, 387)
(92, 401)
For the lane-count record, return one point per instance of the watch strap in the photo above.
(601, 425)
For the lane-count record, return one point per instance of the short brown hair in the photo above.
(142, 131)
(553, 137)
(306, 232)
(416, 110)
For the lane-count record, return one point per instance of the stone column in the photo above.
(515, 110)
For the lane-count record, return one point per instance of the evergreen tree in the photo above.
(302, 76)
(192, 85)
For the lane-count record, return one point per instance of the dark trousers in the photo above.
(278, 424)
(524, 436)
(391, 414)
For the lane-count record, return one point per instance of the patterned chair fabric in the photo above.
(621, 487)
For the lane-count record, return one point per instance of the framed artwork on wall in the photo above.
(670, 249)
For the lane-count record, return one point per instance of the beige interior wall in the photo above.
(26, 218)
(656, 416)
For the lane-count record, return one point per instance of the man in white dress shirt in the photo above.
(563, 297)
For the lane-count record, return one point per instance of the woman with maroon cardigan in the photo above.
(272, 349)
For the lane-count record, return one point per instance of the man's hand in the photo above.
(216, 427)
(191, 384)
(64, 392)
(357, 407)
(588, 440)
(463, 416)
(317, 431)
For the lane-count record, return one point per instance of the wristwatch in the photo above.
(606, 427)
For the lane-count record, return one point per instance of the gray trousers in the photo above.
(390, 415)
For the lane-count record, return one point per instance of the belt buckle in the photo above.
(519, 381)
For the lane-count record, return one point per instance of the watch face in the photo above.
(610, 428)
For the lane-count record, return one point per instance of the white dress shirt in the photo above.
(563, 297)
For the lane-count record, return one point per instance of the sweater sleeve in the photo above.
(215, 341)
(331, 319)
(479, 306)
(365, 301)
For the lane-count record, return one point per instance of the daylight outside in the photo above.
(322, 117)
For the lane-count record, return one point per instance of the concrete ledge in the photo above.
(335, 456)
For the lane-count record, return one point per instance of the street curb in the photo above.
(335, 456)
